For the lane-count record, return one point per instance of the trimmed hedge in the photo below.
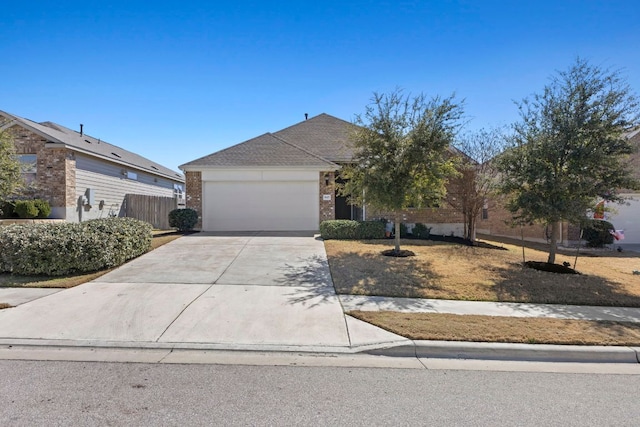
(27, 209)
(56, 249)
(345, 229)
(44, 208)
(183, 219)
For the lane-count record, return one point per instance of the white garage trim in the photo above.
(255, 200)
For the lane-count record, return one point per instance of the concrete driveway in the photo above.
(254, 291)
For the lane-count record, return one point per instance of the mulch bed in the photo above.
(402, 253)
(552, 268)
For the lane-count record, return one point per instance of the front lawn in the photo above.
(452, 271)
(529, 330)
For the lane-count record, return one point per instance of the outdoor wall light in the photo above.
(326, 179)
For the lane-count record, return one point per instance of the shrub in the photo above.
(370, 230)
(6, 210)
(421, 231)
(44, 208)
(597, 233)
(25, 208)
(183, 219)
(346, 229)
(64, 248)
(404, 231)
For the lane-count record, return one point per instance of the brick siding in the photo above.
(194, 194)
(327, 186)
(55, 174)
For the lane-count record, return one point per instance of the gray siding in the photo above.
(110, 186)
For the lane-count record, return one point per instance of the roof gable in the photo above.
(324, 135)
(265, 150)
(321, 141)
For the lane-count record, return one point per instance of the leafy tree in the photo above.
(401, 155)
(10, 170)
(568, 149)
(478, 174)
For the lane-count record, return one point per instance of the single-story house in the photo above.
(286, 180)
(84, 177)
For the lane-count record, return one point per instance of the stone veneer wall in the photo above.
(327, 207)
(194, 194)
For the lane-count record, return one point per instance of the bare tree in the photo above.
(478, 175)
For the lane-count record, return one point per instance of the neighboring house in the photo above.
(286, 181)
(625, 217)
(83, 177)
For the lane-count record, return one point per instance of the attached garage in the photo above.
(627, 218)
(281, 181)
(254, 200)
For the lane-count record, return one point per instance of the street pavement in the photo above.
(257, 291)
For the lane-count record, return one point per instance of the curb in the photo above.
(512, 352)
(413, 349)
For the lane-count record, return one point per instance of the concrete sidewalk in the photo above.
(507, 309)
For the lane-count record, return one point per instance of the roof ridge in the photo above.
(313, 118)
(303, 149)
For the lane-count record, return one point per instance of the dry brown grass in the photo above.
(452, 327)
(451, 271)
(160, 237)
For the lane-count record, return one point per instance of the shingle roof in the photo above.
(322, 140)
(58, 134)
(264, 150)
(324, 135)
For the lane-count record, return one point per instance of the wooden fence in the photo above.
(152, 209)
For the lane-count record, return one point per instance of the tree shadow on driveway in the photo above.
(310, 281)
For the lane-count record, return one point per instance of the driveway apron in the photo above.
(254, 290)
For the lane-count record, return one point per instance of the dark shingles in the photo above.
(324, 135)
(322, 140)
(58, 134)
(264, 150)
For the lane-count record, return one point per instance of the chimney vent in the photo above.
(81, 125)
(306, 116)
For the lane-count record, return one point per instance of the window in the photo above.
(177, 190)
(485, 210)
(132, 175)
(29, 167)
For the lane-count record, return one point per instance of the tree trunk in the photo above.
(553, 243)
(397, 237)
(472, 229)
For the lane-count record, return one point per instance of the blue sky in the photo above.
(174, 81)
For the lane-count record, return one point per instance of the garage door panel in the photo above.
(260, 205)
(627, 217)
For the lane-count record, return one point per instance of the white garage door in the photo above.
(260, 205)
(627, 218)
